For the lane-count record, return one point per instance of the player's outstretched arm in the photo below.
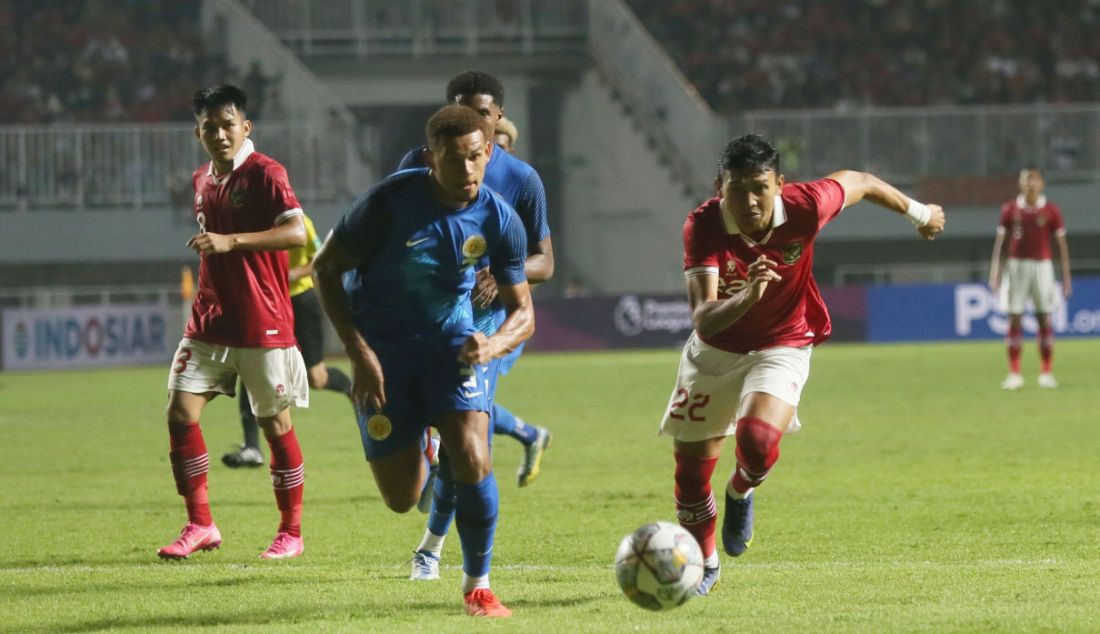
(711, 315)
(288, 235)
(516, 329)
(929, 219)
(328, 272)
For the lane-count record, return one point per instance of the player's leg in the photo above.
(1019, 282)
(465, 439)
(763, 420)
(198, 373)
(699, 417)
(248, 454)
(535, 440)
(276, 380)
(1046, 297)
(425, 561)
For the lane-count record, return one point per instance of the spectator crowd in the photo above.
(765, 54)
(101, 60)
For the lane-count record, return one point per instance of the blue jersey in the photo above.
(417, 259)
(519, 184)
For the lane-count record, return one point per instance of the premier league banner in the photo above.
(656, 321)
(969, 311)
(84, 337)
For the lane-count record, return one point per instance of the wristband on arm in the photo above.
(918, 213)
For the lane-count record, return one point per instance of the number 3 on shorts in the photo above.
(698, 402)
(181, 360)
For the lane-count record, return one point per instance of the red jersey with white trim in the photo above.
(791, 312)
(1030, 228)
(242, 298)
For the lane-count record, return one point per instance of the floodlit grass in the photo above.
(918, 497)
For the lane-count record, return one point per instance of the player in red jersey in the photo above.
(1030, 221)
(241, 322)
(748, 260)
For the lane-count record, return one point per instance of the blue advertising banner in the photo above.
(969, 311)
(84, 337)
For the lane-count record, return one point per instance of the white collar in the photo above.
(247, 148)
(779, 216)
(1021, 202)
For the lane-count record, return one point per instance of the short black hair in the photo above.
(475, 82)
(453, 121)
(751, 154)
(217, 97)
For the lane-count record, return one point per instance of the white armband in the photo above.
(918, 213)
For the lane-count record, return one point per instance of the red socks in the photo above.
(757, 451)
(288, 478)
(1014, 340)
(190, 462)
(1046, 349)
(695, 507)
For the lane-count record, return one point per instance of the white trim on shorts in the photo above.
(275, 377)
(712, 382)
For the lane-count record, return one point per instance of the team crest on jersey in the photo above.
(1040, 221)
(379, 427)
(791, 252)
(473, 248)
(236, 197)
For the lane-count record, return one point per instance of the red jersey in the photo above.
(791, 312)
(242, 299)
(1030, 228)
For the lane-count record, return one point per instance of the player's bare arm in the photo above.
(861, 185)
(1063, 250)
(298, 272)
(999, 246)
(539, 267)
(711, 315)
(368, 385)
(517, 328)
(287, 235)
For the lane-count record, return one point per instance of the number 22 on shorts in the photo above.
(698, 402)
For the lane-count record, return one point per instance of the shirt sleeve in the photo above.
(531, 208)
(363, 227)
(1057, 226)
(1006, 216)
(506, 263)
(283, 203)
(413, 159)
(825, 196)
(700, 255)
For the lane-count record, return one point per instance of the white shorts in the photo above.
(712, 382)
(1030, 280)
(275, 377)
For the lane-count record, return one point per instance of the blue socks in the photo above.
(505, 422)
(476, 518)
(443, 499)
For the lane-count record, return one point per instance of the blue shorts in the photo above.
(420, 387)
(510, 359)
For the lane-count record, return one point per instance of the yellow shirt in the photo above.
(302, 256)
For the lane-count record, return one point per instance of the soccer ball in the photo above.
(659, 566)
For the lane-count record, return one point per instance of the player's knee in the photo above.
(472, 464)
(399, 501)
(757, 444)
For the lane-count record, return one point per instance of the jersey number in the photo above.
(182, 359)
(697, 403)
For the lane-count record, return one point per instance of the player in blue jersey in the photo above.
(411, 248)
(519, 184)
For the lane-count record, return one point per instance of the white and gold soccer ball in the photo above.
(659, 566)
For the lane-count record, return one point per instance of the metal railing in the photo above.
(932, 273)
(906, 144)
(656, 93)
(419, 28)
(138, 166)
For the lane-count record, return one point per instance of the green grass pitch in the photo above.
(918, 497)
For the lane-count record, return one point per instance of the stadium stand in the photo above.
(763, 54)
(122, 61)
